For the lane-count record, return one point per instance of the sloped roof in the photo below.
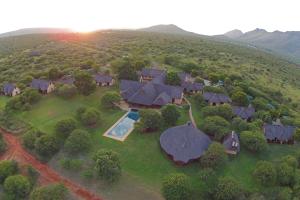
(149, 93)
(232, 142)
(216, 97)
(162, 99)
(40, 84)
(102, 78)
(184, 143)
(152, 72)
(69, 80)
(243, 112)
(8, 88)
(190, 86)
(278, 131)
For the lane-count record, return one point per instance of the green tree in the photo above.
(240, 98)
(224, 111)
(49, 192)
(239, 125)
(260, 103)
(47, 145)
(176, 187)
(253, 141)
(216, 126)
(291, 161)
(214, 157)
(172, 78)
(17, 187)
(65, 126)
(7, 168)
(107, 165)
(285, 174)
(84, 83)
(151, 120)
(90, 117)
(199, 100)
(110, 99)
(78, 141)
(297, 135)
(2, 144)
(124, 69)
(30, 137)
(54, 73)
(285, 193)
(227, 188)
(265, 173)
(170, 114)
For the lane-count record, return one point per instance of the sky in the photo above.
(209, 17)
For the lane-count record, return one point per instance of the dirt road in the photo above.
(16, 151)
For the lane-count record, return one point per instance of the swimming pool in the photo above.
(124, 126)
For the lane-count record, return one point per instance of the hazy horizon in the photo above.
(204, 17)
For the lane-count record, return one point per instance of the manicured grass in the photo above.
(141, 156)
(3, 100)
(51, 109)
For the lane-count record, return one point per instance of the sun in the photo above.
(83, 29)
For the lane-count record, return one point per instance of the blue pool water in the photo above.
(125, 125)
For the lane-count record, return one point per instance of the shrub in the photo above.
(239, 125)
(84, 83)
(172, 78)
(297, 135)
(90, 117)
(216, 126)
(49, 192)
(290, 160)
(224, 111)
(285, 174)
(7, 168)
(227, 188)
(170, 114)
(240, 98)
(176, 187)
(17, 187)
(265, 173)
(30, 137)
(110, 99)
(199, 100)
(78, 141)
(151, 120)
(253, 141)
(214, 157)
(47, 145)
(66, 91)
(65, 127)
(107, 165)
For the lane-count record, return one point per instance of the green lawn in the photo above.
(141, 156)
(3, 100)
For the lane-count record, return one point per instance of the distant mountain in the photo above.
(234, 33)
(27, 31)
(284, 43)
(169, 28)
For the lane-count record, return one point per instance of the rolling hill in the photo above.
(28, 31)
(284, 43)
(169, 29)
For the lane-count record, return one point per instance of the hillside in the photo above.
(33, 55)
(284, 43)
(170, 29)
(27, 31)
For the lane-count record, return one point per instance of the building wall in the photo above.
(16, 91)
(50, 88)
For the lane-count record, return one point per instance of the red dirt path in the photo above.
(47, 175)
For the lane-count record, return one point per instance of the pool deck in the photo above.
(114, 125)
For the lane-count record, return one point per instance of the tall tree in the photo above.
(84, 83)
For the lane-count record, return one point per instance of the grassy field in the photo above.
(144, 164)
(3, 101)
